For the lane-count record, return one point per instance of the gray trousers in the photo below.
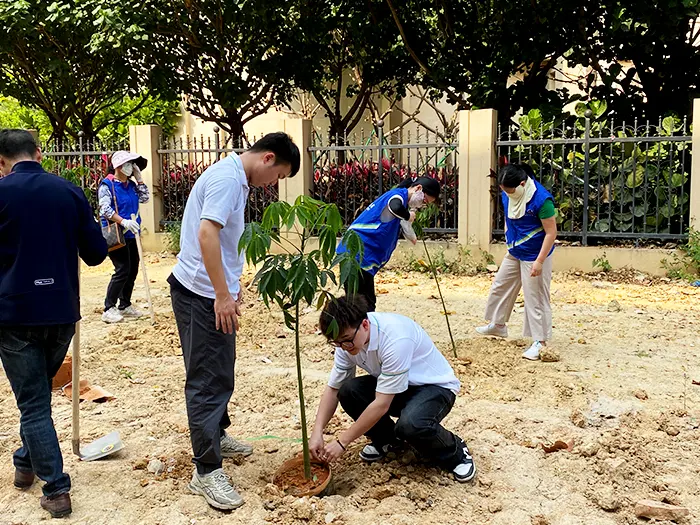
(210, 356)
(511, 277)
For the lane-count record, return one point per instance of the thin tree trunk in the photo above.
(442, 299)
(300, 382)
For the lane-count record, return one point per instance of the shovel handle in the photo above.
(143, 272)
(75, 382)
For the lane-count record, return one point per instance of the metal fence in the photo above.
(85, 162)
(352, 171)
(184, 160)
(609, 180)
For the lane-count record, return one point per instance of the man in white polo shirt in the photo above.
(206, 296)
(408, 379)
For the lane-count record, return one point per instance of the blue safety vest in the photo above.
(524, 236)
(379, 237)
(127, 200)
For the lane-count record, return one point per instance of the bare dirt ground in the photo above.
(623, 392)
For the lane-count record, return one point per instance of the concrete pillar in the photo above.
(477, 156)
(695, 169)
(302, 183)
(145, 140)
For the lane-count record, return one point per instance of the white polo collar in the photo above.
(373, 345)
(243, 178)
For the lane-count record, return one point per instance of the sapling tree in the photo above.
(302, 270)
(423, 219)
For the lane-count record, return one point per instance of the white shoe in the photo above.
(533, 353)
(231, 447)
(131, 312)
(465, 471)
(493, 330)
(216, 489)
(370, 453)
(112, 316)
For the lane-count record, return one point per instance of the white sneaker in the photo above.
(131, 312)
(216, 489)
(231, 447)
(370, 453)
(112, 316)
(465, 471)
(533, 353)
(493, 330)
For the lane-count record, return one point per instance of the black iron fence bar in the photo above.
(611, 155)
(82, 155)
(603, 140)
(74, 153)
(683, 185)
(646, 182)
(586, 176)
(440, 230)
(198, 150)
(380, 168)
(670, 184)
(374, 147)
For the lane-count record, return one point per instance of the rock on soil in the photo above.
(647, 508)
(549, 355)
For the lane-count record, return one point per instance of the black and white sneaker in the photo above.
(371, 453)
(466, 470)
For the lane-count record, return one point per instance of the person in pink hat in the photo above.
(120, 194)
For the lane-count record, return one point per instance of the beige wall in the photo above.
(566, 258)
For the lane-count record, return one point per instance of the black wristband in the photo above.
(341, 445)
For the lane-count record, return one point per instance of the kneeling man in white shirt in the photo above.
(409, 379)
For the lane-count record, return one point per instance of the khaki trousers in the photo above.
(513, 275)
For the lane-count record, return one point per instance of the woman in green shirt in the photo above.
(531, 230)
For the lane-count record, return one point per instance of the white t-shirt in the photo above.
(220, 195)
(399, 354)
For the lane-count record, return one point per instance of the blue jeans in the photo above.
(31, 357)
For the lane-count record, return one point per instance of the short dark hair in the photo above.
(347, 311)
(511, 175)
(282, 146)
(15, 143)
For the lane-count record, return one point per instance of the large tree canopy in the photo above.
(232, 61)
(78, 60)
(58, 57)
(469, 49)
(359, 55)
(647, 55)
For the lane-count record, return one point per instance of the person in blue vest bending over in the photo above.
(119, 199)
(531, 229)
(379, 226)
